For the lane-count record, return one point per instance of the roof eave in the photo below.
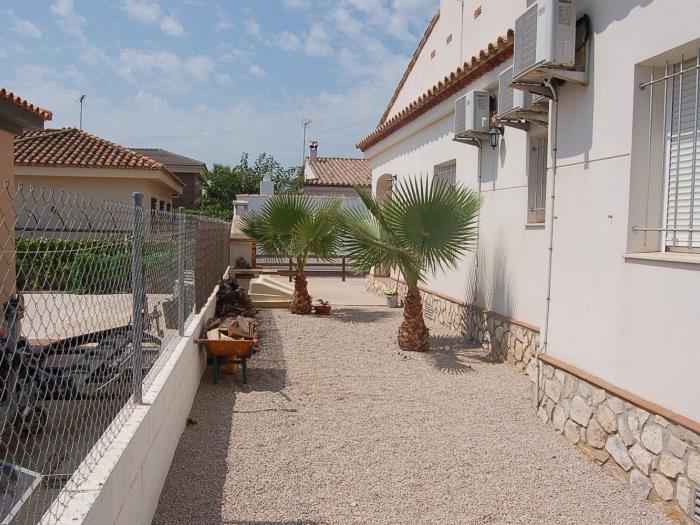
(488, 59)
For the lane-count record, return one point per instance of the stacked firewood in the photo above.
(233, 301)
(231, 328)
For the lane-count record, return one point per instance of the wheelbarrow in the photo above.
(222, 352)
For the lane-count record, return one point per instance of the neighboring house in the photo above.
(73, 161)
(16, 116)
(615, 310)
(335, 176)
(190, 171)
(325, 178)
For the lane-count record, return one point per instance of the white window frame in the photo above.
(446, 171)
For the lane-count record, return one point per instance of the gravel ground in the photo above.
(338, 426)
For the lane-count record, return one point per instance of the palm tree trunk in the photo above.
(414, 336)
(301, 300)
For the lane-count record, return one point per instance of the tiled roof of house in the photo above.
(71, 147)
(45, 114)
(168, 158)
(340, 172)
(488, 59)
(410, 66)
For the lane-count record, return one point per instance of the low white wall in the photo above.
(125, 485)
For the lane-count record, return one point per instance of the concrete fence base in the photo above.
(124, 487)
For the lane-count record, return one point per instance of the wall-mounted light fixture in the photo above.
(495, 134)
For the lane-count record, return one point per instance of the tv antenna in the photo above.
(306, 123)
(82, 99)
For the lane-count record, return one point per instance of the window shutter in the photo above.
(447, 173)
(537, 180)
(683, 191)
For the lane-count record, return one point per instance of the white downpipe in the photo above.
(542, 349)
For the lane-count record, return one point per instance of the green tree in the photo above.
(421, 228)
(294, 225)
(224, 183)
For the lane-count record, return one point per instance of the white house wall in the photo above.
(512, 259)
(497, 16)
(630, 322)
(633, 323)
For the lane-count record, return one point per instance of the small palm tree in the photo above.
(423, 227)
(293, 225)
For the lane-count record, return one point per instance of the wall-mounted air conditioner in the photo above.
(472, 113)
(545, 36)
(510, 99)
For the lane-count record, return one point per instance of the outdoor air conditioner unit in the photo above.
(510, 99)
(545, 35)
(472, 113)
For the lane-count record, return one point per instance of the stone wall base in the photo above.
(657, 458)
(504, 339)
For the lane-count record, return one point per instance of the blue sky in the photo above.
(212, 79)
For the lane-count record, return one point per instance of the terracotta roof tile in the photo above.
(495, 54)
(71, 147)
(45, 114)
(340, 172)
(168, 158)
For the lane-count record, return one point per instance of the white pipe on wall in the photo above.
(545, 327)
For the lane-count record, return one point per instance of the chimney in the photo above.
(313, 150)
(267, 185)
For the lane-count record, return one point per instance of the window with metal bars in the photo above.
(537, 180)
(683, 159)
(447, 173)
(674, 122)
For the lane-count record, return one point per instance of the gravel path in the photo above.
(338, 426)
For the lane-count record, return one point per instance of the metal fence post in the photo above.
(181, 271)
(137, 294)
(343, 269)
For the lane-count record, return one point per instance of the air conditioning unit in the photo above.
(545, 35)
(472, 113)
(510, 99)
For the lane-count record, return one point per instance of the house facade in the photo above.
(73, 161)
(335, 177)
(587, 270)
(191, 173)
(16, 116)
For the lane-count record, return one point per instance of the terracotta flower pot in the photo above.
(322, 309)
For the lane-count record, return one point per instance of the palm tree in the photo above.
(422, 228)
(293, 225)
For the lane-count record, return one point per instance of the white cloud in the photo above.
(142, 10)
(296, 4)
(223, 22)
(257, 71)
(252, 26)
(224, 80)
(317, 42)
(71, 22)
(151, 13)
(288, 41)
(199, 68)
(141, 66)
(171, 27)
(24, 27)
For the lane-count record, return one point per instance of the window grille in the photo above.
(680, 84)
(447, 173)
(537, 180)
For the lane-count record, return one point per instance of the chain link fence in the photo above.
(95, 295)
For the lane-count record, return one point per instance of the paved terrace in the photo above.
(338, 426)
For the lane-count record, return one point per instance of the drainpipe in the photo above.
(550, 248)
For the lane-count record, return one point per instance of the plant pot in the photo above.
(322, 309)
(392, 300)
